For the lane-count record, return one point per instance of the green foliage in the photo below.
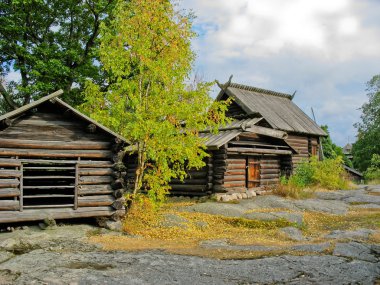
(331, 150)
(303, 175)
(146, 50)
(368, 139)
(373, 172)
(51, 44)
(328, 174)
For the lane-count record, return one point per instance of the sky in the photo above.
(326, 50)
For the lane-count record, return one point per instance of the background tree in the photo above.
(51, 45)
(331, 150)
(146, 50)
(368, 138)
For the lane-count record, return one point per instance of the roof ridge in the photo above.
(260, 90)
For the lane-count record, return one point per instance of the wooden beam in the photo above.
(30, 106)
(9, 205)
(9, 162)
(96, 201)
(267, 132)
(55, 153)
(258, 150)
(60, 145)
(9, 192)
(95, 189)
(91, 180)
(10, 173)
(60, 213)
(9, 183)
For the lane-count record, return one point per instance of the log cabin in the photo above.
(268, 137)
(55, 162)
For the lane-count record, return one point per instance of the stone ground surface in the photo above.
(62, 256)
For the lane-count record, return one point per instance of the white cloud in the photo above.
(326, 50)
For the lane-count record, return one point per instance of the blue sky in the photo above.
(326, 50)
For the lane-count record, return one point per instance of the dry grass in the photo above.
(147, 231)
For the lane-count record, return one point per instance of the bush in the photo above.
(303, 175)
(373, 172)
(328, 174)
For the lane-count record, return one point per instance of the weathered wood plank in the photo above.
(191, 181)
(89, 180)
(235, 172)
(189, 188)
(9, 162)
(235, 166)
(9, 183)
(55, 154)
(234, 178)
(234, 184)
(62, 213)
(9, 205)
(9, 192)
(10, 173)
(95, 189)
(59, 145)
(95, 171)
(257, 150)
(96, 201)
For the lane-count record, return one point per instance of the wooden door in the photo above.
(253, 173)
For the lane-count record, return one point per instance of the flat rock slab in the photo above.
(293, 233)
(172, 220)
(316, 248)
(4, 256)
(159, 268)
(373, 188)
(355, 250)
(322, 206)
(359, 234)
(366, 206)
(269, 202)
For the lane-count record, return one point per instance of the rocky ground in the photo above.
(63, 254)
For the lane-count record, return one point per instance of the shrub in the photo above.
(328, 174)
(373, 172)
(303, 175)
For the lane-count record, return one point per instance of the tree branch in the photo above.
(7, 97)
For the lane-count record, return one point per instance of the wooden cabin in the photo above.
(55, 162)
(268, 138)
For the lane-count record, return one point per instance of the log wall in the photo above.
(235, 175)
(301, 145)
(270, 170)
(51, 161)
(306, 146)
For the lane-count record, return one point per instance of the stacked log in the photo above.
(10, 176)
(235, 175)
(195, 183)
(269, 170)
(57, 148)
(219, 169)
(301, 145)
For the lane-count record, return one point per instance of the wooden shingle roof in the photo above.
(276, 108)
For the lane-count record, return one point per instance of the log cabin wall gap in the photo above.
(55, 162)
